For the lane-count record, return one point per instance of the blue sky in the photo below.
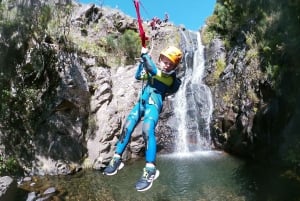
(191, 13)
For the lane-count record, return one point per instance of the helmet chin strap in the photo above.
(168, 73)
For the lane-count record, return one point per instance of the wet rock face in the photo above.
(233, 108)
(240, 90)
(8, 188)
(59, 135)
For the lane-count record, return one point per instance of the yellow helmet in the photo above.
(172, 53)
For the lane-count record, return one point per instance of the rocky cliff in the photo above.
(81, 79)
(253, 74)
(67, 84)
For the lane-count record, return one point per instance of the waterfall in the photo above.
(193, 102)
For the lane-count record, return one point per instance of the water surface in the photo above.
(195, 176)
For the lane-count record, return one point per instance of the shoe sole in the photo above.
(148, 187)
(116, 171)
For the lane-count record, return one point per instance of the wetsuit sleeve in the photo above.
(149, 65)
(140, 73)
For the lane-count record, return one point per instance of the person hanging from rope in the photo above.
(161, 81)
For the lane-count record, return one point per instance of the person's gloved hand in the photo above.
(144, 50)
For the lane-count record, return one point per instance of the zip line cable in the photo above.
(144, 9)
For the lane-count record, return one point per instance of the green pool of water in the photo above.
(199, 176)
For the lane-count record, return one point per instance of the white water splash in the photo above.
(193, 103)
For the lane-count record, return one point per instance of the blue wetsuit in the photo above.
(149, 106)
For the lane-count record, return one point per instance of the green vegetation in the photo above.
(9, 166)
(123, 49)
(23, 32)
(273, 26)
(220, 66)
(130, 44)
(270, 29)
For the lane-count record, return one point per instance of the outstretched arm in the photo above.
(149, 65)
(140, 73)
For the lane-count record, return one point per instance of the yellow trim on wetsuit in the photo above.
(165, 79)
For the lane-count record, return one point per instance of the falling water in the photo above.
(193, 102)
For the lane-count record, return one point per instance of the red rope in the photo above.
(141, 29)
